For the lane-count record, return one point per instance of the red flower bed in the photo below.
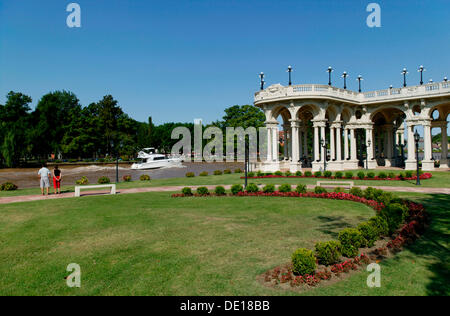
(424, 176)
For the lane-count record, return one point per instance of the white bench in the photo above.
(335, 184)
(110, 186)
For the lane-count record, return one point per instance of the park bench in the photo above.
(112, 187)
(335, 184)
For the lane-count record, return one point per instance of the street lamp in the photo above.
(330, 70)
(417, 138)
(261, 75)
(445, 79)
(289, 70)
(359, 82)
(404, 73)
(421, 70)
(431, 81)
(324, 144)
(345, 75)
(367, 153)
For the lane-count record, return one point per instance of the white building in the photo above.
(349, 121)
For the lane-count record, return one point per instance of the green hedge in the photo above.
(303, 261)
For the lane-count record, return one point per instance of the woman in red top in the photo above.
(57, 177)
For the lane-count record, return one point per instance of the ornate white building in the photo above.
(352, 129)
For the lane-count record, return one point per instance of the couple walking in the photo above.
(45, 174)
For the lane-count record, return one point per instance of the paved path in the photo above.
(28, 198)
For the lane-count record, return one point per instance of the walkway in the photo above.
(29, 198)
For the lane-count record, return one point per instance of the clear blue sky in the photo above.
(180, 60)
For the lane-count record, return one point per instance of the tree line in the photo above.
(61, 126)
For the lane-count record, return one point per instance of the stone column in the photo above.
(285, 142)
(300, 143)
(323, 152)
(316, 143)
(444, 146)
(427, 163)
(338, 143)
(295, 146)
(369, 136)
(332, 144)
(410, 163)
(269, 143)
(353, 156)
(275, 145)
(305, 142)
(346, 149)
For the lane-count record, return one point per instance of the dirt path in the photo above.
(28, 198)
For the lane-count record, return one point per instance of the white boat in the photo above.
(150, 159)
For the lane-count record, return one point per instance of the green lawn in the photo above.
(440, 179)
(151, 244)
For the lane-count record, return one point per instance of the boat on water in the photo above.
(150, 159)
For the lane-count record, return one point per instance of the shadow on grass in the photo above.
(433, 246)
(332, 225)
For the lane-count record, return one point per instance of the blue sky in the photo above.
(180, 60)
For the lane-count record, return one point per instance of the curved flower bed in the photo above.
(424, 176)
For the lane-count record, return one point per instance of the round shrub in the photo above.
(380, 224)
(218, 173)
(288, 173)
(252, 188)
(260, 174)
(278, 173)
(203, 191)
(391, 175)
(268, 173)
(385, 198)
(251, 174)
(238, 170)
(356, 192)
(83, 181)
(220, 190)
(317, 174)
(303, 262)
(190, 175)
(361, 175)
(401, 176)
(408, 174)
(104, 180)
(327, 174)
(298, 174)
(372, 194)
(227, 171)
(320, 190)
(203, 174)
(269, 188)
(187, 191)
(339, 175)
(285, 188)
(237, 188)
(8, 186)
(328, 253)
(382, 175)
(349, 175)
(371, 175)
(369, 234)
(338, 190)
(395, 214)
(145, 177)
(126, 178)
(351, 240)
(308, 174)
(301, 189)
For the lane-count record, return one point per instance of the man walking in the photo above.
(43, 174)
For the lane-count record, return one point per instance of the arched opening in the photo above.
(284, 149)
(306, 135)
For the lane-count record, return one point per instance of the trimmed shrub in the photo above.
(145, 177)
(187, 191)
(328, 253)
(395, 214)
(260, 174)
(190, 175)
(83, 181)
(380, 224)
(361, 175)
(385, 198)
(401, 176)
(284, 188)
(202, 191)
(238, 170)
(303, 262)
(317, 174)
(8, 186)
(339, 190)
(278, 173)
(391, 175)
(372, 194)
(203, 174)
(349, 175)
(301, 188)
(251, 174)
(369, 234)
(308, 174)
(351, 240)
(269, 188)
(104, 180)
(408, 174)
(371, 175)
(218, 173)
(288, 173)
(382, 175)
(252, 188)
(227, 171)
(339, 175)
(220, 190)
(126, 178)
(327, 174)
(298, 174)
(320, 190)
(235, 189)
(269, 174)
(356, 192)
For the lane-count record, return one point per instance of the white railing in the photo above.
(275, 92)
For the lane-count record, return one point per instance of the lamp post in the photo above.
(330, 70)
(421, 70)
(404, 73)
(345, 75)
(289, 70)
(359, 82)
(445, 79)
(367, 154)
(431, 81)
(417, 138)
(261, 76)
(324, 144)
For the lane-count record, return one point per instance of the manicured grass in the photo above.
(151, 244)
(440, 179)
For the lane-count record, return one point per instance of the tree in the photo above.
(243, 116)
